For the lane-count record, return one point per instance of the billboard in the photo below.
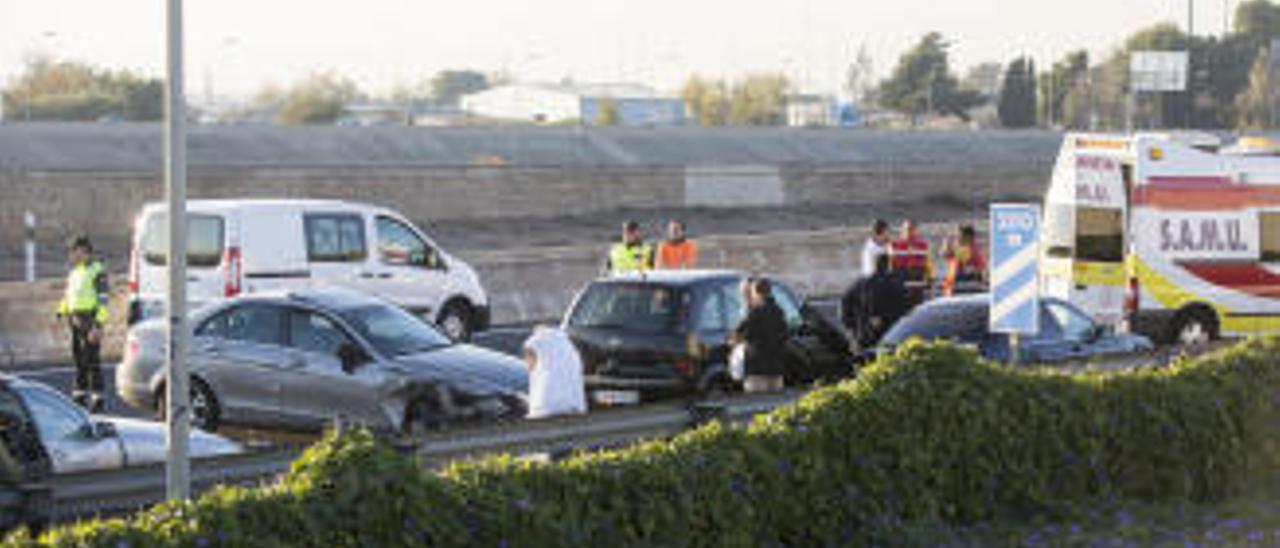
(1158, 70)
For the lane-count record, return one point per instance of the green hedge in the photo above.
(931, 435)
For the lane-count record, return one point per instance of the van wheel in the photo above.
(1194, 327)
(205, 410)
(455, 321)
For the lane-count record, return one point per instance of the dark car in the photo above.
(299, 360)
(1065, 334)
(665, 333)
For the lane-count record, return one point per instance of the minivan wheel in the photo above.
(205, 411)
(455, 321)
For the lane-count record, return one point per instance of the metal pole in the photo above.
(1191, 33)
(177, 468)
(1015, 349)
(30, 221)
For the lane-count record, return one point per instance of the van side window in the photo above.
(335, 238)
(400, 245)
(1270, 231)
(204, 240)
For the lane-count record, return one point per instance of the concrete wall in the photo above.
(103, 203)
(529, 285)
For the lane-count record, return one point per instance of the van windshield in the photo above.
(204, 240)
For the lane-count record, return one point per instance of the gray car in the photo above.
(300, 360)
(40, 425)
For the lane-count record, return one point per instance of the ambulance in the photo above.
(1170, 235)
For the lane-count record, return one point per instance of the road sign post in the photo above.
(177, 466)
(1015, 281)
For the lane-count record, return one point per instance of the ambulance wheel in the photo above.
(1194, 326)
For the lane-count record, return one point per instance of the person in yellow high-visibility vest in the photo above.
(632, 254)
(84, 308)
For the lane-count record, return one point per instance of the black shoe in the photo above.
(96, 403)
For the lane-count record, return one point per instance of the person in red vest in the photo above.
(912, 259)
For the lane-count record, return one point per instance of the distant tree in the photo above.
(1259, 20)
(759, 100)
(985, 79)
(922, 82)
(707, 100)
(49, 89)
(448, 86)
(859, 77)
(1017, 104)
(1058, 82)
(607, 114)
(318, 99)
(1257, 103)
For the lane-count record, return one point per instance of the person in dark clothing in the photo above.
(764, 333)
(873, 303)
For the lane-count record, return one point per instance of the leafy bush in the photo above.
(923, 439)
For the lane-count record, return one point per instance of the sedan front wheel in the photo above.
(205, 411)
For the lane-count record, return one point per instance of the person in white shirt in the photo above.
(555, 374)
(877, 244)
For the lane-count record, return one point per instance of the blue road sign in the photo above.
(1015, 251)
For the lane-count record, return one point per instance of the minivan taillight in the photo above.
(1132, 291)
(235, 271)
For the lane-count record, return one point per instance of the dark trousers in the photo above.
(87, 354)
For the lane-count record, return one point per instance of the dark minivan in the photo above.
(665, 333)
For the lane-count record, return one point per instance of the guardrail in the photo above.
(70, 497)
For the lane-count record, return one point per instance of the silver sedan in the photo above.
(300, 360)
(40, 425)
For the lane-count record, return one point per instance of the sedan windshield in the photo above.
(933, 322)
(393, 331)
(630, 306)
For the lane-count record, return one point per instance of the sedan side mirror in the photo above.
(103, 430)
(352, 357)
(1099, 331)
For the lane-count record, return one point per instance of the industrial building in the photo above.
(635, 105)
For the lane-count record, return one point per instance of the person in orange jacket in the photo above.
(678, 251)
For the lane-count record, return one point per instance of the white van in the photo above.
(247, 246)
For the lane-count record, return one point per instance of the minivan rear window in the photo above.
(639, 307)
(204, 240)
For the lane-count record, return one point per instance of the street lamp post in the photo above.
(177, 417)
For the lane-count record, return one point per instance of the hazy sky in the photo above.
(242, 44)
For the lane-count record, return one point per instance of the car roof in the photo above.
(236, 203)
(968, 300)
(332, 298)
(674, 277)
